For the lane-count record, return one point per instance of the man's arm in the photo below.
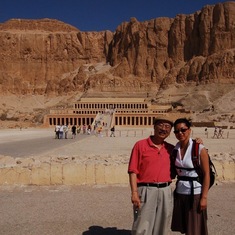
(135, 199)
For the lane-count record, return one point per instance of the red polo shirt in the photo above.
(150, 164)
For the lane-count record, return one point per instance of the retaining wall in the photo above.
(69, 171)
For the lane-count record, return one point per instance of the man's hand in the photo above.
(199, 140)
(135, 199)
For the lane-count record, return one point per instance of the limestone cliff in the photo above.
(50, 58)
(198, 47)
(37, 55)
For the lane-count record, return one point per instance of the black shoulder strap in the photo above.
(174, 155)
(172, 160)
(195, 154)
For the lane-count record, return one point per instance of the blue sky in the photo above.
(98, 15)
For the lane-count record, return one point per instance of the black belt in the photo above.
(158, 185)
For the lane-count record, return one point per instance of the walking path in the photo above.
(40, 142)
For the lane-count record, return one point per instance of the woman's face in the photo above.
(182, 132)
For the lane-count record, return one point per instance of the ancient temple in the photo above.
(109, 111)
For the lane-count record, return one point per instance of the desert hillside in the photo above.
(186, 61)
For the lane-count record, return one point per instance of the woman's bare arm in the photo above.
(204, 162)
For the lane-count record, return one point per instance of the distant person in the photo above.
(66, 130)
(220, 134)
(61, 131)
(95, 126)
(84, 129)
(57, 132)
(79, 129)
(112, 132)
(215, 133)
(99, 131)
(73, 131)
(89, 129)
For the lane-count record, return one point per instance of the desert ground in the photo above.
(97, 209)
(93, 210)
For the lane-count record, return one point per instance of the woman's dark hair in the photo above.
(182, 120)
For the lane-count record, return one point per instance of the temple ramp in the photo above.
(106, 119)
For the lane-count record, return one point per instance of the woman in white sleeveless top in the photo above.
(190, 201)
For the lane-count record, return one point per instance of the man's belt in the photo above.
(158, 185)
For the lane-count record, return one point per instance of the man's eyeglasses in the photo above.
(182, 130)
(166, 125)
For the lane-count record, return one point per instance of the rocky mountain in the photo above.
(47, 62)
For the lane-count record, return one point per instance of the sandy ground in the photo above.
(94, 210)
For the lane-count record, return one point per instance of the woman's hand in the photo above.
(203, 203)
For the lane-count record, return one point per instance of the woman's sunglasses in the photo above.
(180, 130)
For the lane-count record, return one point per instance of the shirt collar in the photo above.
(150, 142)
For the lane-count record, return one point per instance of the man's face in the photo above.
(162, 129)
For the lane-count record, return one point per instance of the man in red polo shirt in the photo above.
(150, 178)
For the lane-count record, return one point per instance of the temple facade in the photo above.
(109, 111)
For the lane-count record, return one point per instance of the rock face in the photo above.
(49, 57)
(38, 57)
(198, 47)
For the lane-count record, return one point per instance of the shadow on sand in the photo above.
(98, 230)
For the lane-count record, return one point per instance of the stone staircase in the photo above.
(106, 119)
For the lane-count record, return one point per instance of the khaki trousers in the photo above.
(154, 215)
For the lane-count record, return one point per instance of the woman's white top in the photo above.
(184, 187)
